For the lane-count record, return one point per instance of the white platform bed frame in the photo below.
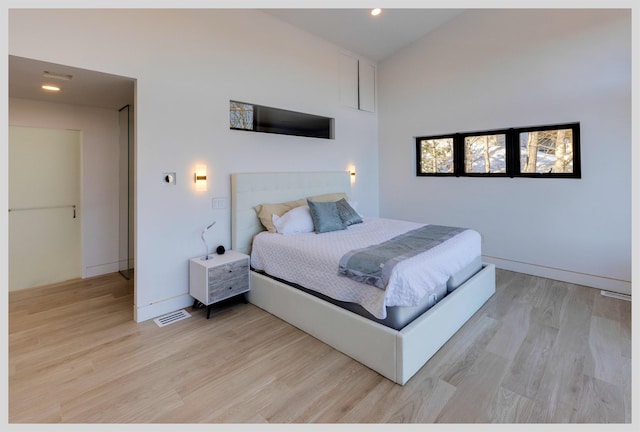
(395, 354)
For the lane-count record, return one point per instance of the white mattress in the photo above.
(311, 260)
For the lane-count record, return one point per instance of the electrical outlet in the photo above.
(219, 203)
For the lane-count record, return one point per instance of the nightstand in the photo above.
(218, 278)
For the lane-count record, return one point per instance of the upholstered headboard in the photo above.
(250, 189)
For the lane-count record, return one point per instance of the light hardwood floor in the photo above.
(539, 351)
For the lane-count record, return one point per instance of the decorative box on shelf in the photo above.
(218, 278)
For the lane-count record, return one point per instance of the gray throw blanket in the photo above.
(373, 265)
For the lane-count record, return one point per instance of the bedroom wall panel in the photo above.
(491, 69)
(367, 86)
(188, 64)
(348, 69)
(357, 78)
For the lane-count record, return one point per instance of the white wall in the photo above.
(99, 206)
(188, 65)
(492, 69)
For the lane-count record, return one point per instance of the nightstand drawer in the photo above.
(228, 271)
(228, 288)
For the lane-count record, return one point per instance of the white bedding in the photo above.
(311, 260)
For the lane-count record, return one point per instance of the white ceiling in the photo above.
(86, 87)
(355, 30)
(375, 38)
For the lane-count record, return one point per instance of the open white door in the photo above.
(44, 206)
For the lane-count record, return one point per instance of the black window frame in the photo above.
(512, 152)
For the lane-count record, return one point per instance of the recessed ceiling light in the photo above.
(65, 77)
(50, 88)
(376, 11)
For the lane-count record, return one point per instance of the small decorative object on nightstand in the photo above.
(218, 278)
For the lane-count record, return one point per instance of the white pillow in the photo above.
(296, 220)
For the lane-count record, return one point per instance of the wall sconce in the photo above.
(200, 177)
(352, 173)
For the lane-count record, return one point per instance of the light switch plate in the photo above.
(219, 203)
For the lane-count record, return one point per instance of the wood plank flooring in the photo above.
(539, 351)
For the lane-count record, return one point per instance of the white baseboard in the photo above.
(615, 295)
(593, 281)
(99, 270)
(162, 307)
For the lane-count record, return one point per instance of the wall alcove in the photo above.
(258, 118)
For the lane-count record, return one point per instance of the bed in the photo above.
(396, 351)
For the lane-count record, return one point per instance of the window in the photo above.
(485, 154)
(259, 118)
(541, 151)
(240, 115)
(547, 151)
(436, 155)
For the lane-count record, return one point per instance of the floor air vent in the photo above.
(172, 317)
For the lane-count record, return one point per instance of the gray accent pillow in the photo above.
(325, 216)
(348, 215)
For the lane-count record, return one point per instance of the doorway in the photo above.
(44, 206)
(103, 94)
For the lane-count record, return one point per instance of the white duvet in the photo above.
(311, 260)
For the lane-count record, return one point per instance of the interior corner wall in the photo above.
(188, 64)
(494, 69)
(99, 184)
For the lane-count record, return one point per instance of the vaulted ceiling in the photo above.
(355, 30)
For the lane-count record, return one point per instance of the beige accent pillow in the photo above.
(266, 211)
(337, 196)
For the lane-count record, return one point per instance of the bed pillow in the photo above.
(325, 216)
(295, 221)
(354, 206)
(347, 213)
(336, 196)
(266, 211)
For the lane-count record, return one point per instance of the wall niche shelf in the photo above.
(258, 118)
